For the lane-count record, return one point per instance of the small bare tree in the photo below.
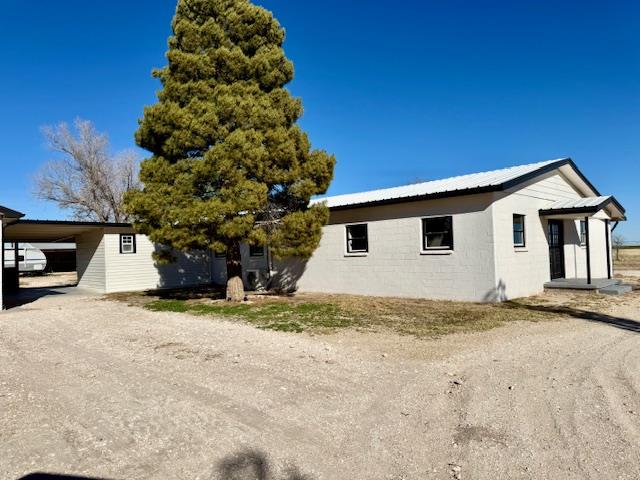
(618, 243)
(86, 178)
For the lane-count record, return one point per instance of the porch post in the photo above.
(608, 242)
(586, 221)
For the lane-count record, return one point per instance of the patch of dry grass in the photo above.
(324, 313)
(627, 259)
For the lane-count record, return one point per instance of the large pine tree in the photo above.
(229, 163)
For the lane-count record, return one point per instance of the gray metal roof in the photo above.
(485, 181)
(578, 203)
(587, 205)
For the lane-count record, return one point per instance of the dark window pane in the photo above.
(438, 232)
(357, 238)
(518, 238)
(358, 245)
(256, 251)
(518, 230)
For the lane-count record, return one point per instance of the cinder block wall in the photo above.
(395, 264)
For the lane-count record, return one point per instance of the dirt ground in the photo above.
(92, 387)
(61, 279)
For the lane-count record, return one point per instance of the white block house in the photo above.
(483, 237)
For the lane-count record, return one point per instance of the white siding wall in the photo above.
(395, 265)
(524, 271)
(138, 271)
(90, 257)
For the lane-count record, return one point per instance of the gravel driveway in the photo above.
(95, 388)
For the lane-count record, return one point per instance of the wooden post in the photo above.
(586, 220)
(608, 242)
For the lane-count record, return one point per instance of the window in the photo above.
(357, 239)
(256, 251)
(437, 233)
(583, 232)
(127, 243)
(519, 237)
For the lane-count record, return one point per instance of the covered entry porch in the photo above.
(579, 234)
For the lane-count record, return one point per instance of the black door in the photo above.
(556, 249)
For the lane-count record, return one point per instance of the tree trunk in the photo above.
(235, 286)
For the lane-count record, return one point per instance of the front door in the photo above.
(556, 249)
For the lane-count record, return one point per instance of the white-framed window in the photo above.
(583, 232)
(519, 231)
(127, 243)
(437, 233)
(357, 238)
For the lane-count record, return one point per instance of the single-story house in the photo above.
(482, 237)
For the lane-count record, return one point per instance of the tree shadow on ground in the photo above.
(54, 476)
(254, 464)
(249, 464)
(597, 317)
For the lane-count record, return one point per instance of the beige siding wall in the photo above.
(138, 271)
(90, 257)
(395, 264)
(524, 271)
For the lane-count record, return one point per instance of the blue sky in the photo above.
(399, 91)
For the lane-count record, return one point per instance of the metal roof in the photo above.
(587, 202)
(466, 184)
(9, 213)
(34, 231)
(587, 205)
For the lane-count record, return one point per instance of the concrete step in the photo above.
(620, 289)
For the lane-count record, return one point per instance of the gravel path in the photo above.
(95, 388)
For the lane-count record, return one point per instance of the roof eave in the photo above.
(417, 198)
(10, 213)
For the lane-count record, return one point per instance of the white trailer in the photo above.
(30, 259)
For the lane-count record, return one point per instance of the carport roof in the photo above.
(52, 230)
(10, 213)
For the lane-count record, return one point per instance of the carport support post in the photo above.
(586, 231)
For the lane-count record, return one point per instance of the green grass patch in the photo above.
(280, 316)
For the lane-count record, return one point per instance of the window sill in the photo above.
(521, 249)
(436, 252)
(357, 254)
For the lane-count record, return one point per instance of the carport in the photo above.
(18, 230)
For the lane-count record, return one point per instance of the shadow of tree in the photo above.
(618, 322)
(54, 476)
(254, 464)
